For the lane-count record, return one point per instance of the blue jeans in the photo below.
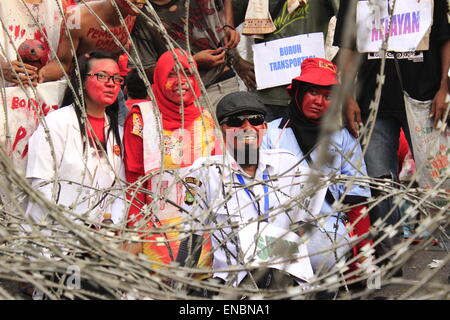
(382, 160)
(123, 110)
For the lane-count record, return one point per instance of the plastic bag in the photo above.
(431, 147)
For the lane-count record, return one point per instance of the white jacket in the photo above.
(80, 178)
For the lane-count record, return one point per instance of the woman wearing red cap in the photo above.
(161, 147)
(299, 133)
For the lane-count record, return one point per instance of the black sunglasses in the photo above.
(237, 121)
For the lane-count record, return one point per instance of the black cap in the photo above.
(239, 102)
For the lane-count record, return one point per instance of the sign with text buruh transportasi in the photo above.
(408, 28)
(277, 62)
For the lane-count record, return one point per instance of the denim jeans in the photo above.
(382, 161)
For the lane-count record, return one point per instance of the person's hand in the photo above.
(352, 115)
(439, 106)
(22, 69)
(210, 58)
(133, 248)
(246, 72)
(232, 37)
(41, 75)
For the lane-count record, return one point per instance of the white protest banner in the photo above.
(266, 245)
(411, 24)
(19, 111)
(277, 62)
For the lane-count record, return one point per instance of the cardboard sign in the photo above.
(407, 30)
(277, 62)
(19, 116)
(270, 246)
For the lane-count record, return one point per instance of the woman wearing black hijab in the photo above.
(298, 132)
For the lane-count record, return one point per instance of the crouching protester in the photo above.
(298, 132)
(75, 162)
(253, 202)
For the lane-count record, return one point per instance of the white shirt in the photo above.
(347, 161)
(221, 201)
(78, 179)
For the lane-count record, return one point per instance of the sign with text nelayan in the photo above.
(277, 62)
(408, 28)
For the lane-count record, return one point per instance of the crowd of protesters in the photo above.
(154, 108)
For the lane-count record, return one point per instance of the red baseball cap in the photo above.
(316, 71)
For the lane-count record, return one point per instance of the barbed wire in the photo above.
(46, 254)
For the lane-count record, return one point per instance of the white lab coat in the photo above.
(79, 179)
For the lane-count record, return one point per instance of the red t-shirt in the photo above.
(98, 125)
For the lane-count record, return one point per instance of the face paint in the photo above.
(101, 94)
(169, 84)
(172, 86)
(316, 102)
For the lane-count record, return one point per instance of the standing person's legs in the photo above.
(382, 162)
(219, 90)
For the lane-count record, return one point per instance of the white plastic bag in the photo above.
(431, 147)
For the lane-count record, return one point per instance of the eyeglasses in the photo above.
(237, 121)
(104, 77)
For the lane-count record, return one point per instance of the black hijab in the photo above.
(306, 131)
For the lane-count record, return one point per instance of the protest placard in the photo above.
(277, 62)
(19, 116)
(408, 29)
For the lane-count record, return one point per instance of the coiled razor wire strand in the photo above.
(44, 256)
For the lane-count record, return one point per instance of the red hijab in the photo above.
(171, 112)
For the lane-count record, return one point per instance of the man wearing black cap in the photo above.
(252, 188)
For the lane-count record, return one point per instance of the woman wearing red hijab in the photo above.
(155, 157)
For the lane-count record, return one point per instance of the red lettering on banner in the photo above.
(15, 103)
(55, 107)
(32, 104)
(45, 109)
(20, 134)
(25, 151)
